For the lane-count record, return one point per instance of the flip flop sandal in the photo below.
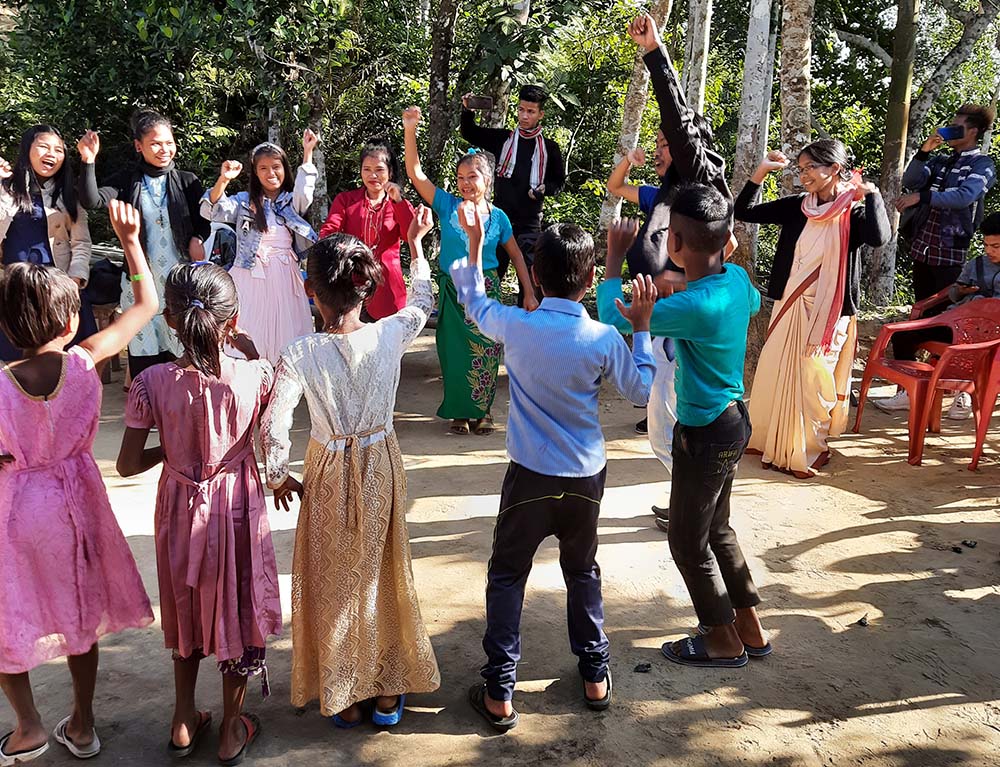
(252, 725)
(691, 652)
(758, 652)
(485, 426)
(459, 426)
(477, 699)
(389, 718)
(16, 757)
(204, 722)
(601, 704)
(89, 751)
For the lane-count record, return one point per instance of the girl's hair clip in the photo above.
(265, 145)
(472, 150)
(201, 263)
(195, 303)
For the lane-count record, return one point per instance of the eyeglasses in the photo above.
(810, 168)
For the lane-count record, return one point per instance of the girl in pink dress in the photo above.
(67, 572)
(379, 216)
(272, 237)
(214, 558)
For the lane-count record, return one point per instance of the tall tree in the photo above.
(696, 53)
(796, 82)
(500, 86)
(445, 15)
(635, 104)
(881, 269)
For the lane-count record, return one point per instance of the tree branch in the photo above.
(866, 44)
(954, 9)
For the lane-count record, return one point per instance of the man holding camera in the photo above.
(941, 216)
(529, 167)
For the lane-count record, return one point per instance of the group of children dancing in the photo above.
(217, 354)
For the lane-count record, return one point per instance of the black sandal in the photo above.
(477, 699)
(692, 652)
(601, 704)
(204, 722)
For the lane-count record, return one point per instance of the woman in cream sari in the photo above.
(801, 388)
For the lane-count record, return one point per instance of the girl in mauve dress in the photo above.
(214, 557)
(272, 236)
(67, 572)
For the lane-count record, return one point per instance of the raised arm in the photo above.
(420, 297)
(110, 341)
(305, 177)
(775, 212)
(88, 193)
(490, 139)
(216, 205)
(618, 184)
(424, 186)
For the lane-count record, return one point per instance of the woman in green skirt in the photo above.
(469, 360)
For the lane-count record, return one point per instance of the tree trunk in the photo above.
(499, 87)
(796, 81)
(755, 114)
(881, 272)
(321, 198)
(445, 14)
(635, 104)
(975, 26)
(988, 135)
(696, 58)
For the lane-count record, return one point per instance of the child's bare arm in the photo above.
(134, 457)
(110, 341)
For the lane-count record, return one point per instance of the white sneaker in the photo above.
(899, 401)
(961, 407)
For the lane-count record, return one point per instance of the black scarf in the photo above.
(177, 207)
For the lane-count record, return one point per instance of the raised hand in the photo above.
(421, 224)
(621, 235)
(283, 495)
(230, 170)
(124, 220)
(774, 160)
(411, 117)
(933, 142)
(88, 146)
(644, 295)
(5, 170)
(309, 140)
(864, 188)
(644, 32)
(394, 191)
(636, 157)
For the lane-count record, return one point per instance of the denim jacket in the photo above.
(289, 209)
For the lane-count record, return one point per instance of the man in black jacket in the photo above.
(529, 167)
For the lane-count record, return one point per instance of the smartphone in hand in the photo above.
(481, 103)
(951, 132)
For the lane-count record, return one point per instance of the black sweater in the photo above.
(511, 195)
(869, 226)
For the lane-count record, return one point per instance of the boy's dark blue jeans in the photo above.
(532, 507)
(702, 543)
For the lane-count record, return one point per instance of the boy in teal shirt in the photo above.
(709, 321)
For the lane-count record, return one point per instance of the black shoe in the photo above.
(661, 513)
(640, 428)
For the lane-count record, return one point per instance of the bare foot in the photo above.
(596, 690)
(386, 704)
(27, 737)
(233, 733)
(502, 708)
(79, 730)
(749, 629)
(723, 642)
(182, 732)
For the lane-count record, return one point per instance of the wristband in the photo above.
(137, 277)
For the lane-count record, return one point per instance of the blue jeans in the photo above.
(532, 507)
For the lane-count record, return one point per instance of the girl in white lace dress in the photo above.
(357, 632)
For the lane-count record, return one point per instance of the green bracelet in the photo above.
(136, 277)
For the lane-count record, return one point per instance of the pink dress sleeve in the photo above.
(138, 411)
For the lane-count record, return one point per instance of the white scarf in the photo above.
(508, 155)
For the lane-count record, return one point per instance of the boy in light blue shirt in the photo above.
(556, 358)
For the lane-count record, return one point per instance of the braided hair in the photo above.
(200, 299)
(343, 273)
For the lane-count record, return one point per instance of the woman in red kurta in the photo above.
(378, 215)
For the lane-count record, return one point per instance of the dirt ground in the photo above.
(872, 537)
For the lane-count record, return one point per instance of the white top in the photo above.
(349, 380)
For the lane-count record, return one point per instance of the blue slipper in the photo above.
(389, 718)
(691, 652)
(758, 652)
(343, 724)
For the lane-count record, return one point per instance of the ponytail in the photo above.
(201, 298)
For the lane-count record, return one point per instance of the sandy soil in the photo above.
(872, 537)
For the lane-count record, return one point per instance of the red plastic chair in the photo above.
(969, 368)
(920, 307)
(972, 322)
